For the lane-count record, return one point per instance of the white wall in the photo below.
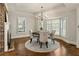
(71, 22)
(29, 23)
(71, 27)
(77, 27)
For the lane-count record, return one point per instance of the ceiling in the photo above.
(36, 7)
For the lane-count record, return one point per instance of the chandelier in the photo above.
(41, 13)
(41, 28)
(41, 17)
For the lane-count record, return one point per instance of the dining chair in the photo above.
(43, 38)
(52, 36)
(31, 36)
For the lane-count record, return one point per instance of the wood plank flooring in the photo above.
(65, 49)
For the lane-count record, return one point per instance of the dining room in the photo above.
(42, 29)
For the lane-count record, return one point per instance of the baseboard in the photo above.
(66, 40)
(20, 36)
(61, 38)
(77, 46)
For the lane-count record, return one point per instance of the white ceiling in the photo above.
(36, 7)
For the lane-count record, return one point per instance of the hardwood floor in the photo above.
(65, 49)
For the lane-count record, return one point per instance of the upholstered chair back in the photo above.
(43, 36)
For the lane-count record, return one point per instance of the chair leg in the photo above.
(31, 40)
(53, 41)
(47, 44)
(40, 44)
(37, 40)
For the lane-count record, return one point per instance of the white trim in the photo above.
(6, 28)
(61, 38)
(77, 46)
(6, 6)
(13, 37)
(66, 40)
